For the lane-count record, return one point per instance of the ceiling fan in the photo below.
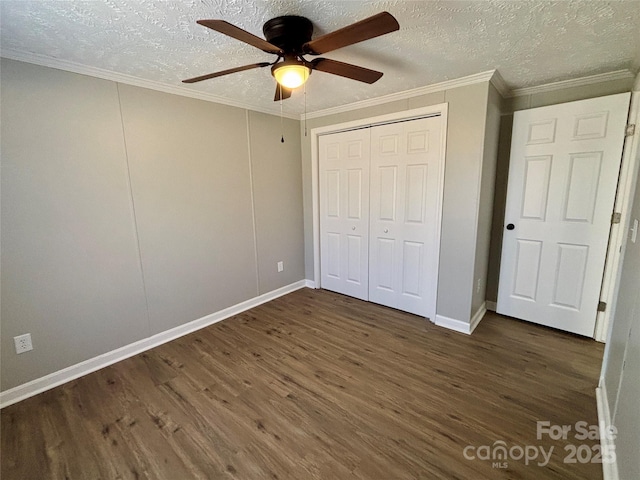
(289, 37)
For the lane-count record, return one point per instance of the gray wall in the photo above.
(485, 200)
(463, 172)
(192, 196)
(524, 102)
(70, 267)
(499, 203)
(126, 212)
(277, 193)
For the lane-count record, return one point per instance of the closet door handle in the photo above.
(353, 228)
(386, 230)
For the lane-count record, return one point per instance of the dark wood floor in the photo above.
(315, 385)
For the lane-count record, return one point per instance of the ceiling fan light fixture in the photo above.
(289, 37)
(291, 73)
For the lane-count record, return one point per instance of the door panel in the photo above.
(591, 125)
(344, 212)
(539, 132)
(527, 267)
(332, 193)
(332, 254)
(406, 162)
(383, 280)
(536, 187)
(412, 268)
(355, 268)
(563, 175)
(416, 193)
(354, 194)
(571, 264)
(582, 186)
(387, 193)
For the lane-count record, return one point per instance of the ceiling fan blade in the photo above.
(347, 70)
(225, 72)
(240, 34)
(286, 93)
(371, 27)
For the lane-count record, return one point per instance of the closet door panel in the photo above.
(405, 212)
(344, 212)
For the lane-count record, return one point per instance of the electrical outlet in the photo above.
(23, 343)
(479, 285)
(280, 266)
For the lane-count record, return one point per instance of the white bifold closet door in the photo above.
(405, 213)
(380, 191)
(344, 212)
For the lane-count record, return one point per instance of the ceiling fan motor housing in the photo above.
(288, 32)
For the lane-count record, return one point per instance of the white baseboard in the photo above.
(310, 284)
(492, 306)
(453, 324)
(39, 385)
(459, 325)
(479, 315)
(609, 470)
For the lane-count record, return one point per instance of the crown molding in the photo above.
(636, 84)
(500, 85)
(492, 76)
(436, 87)
(576, 82)
(74, 67)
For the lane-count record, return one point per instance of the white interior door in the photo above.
(344, 212)
(406, 163)
(563, 174)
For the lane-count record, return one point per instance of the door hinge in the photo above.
(602, 306)
(616, 217)
(630, 130)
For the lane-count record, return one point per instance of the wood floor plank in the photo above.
(315, 385)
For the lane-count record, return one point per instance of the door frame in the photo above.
(440, 109)
(619, 231)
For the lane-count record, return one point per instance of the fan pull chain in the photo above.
(281, 121)
(305, 109)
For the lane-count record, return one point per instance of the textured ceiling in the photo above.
(530, 42)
